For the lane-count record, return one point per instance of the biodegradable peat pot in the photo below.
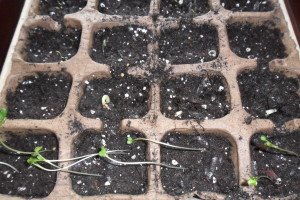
(202, 74)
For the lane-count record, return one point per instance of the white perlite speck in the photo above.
(86, 82)
(126, 95)
(174, 162)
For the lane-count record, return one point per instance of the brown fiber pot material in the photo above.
(154, 125)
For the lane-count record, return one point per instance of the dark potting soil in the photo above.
(121, 47)
(247, 5)
(58, 9)
(29, 182)
(211, 170)
(250, 41)
(128, 98)
(203, 97)
(183, 8)
(189, 44)
(124, 7)
(283, 169)
(51, 46)
(40, 96)
(262, 90)
(115, 179)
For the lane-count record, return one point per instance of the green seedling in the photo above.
(270, 145)
(131, 140)
(3, 115)
(253, 180)
(104, 153)
(105, 101)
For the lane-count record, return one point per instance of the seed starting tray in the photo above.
(154, 125)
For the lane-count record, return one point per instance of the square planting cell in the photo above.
(211, 170)
(114, 179)
(183, 8)
(195, 97)
(124, 7)
(121, 46)
(280, 167)
(256, 41)
(29, 182)
(247, 5)
(57, 9)
(45, 46)
(39, 96)
(128, 96)
(270, 95)
(189, 44)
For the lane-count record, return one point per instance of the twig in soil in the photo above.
(104, 154)
(105, 101)
(253, 180)
(131, 140)
(269, 144)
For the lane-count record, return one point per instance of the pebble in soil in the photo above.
(39, 96)
(256, 41)
(115, 179)
(247, 5)
(51, 46)
(57, 9)
(195, 97)
(121, 47)
(128, 98)
(30, 182)
(211, 170)
(282, 168)
(124, 7)
(189, 44)
(184, 8)
(270, 95)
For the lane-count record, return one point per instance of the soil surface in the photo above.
(203, 97)
(283, 169)
(30, 182)
(124, 7)
(128, 98)
(247, 5)
(263, 90)
(211, 170)
(250, 41)
(51, 46)
(189, 44)
(183, 8)
(115, 179)
(121, 47)
(40, 96)
(58, 9)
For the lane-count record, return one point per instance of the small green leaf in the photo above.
(102, 152)
(252, 181)
(263, 138)
(130, 140)
(37, 151)
(3, 115)
(34, 159)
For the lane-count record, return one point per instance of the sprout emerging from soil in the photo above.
(269, 144)
(104, 153)
(105, 101)
(253, 180)
(3, 114)
(131, 140)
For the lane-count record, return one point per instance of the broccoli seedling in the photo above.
(131, 140)
(105, 101)
(3, 115)
(267, 143)
(253, 180)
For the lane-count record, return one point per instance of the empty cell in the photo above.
(39, 96)
(124, 7)
(281, 168)
(124, 97)
(247, 5)
(57, 9)
(256, 41)
(211, 170)
(113, 179)
(50, 46)
(189, 44)
(121, 46)
(195, 97)
(29, 182)
(270, 95)
(183, 8)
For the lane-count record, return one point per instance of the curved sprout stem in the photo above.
(15, 150)
(71, 159)
(8, 165)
